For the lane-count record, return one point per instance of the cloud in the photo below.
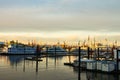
(59, 15)
(45, 20)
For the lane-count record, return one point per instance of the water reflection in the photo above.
(90, 75)
(15, 59)
(46, 62)
(51, 67)
(24, 65)
(54, 61)
(4, 60)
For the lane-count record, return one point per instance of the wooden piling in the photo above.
(55, 50)
(117, 60)
(79, 72)
(88, 50)
(98, 53)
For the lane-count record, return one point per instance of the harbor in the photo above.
(49, 68)
(78, 58)
(59, 40)
(83, 62)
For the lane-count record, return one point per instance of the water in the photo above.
(16, 68)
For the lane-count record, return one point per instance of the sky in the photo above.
(59, 19)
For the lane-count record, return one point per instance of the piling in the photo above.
(98, 53)
(88, 50)
(117, 67)
(79, 72)
(47, 51)
(91, 53)
(24, 49)
(55, 50)
(117, 60)
(69, 58)
(46, 57)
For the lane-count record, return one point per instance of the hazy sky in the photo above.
(60, 18)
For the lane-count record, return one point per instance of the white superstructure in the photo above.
(20, 49)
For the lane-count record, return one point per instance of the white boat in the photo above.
(55, 50)
(108, 66)
(99, 65)
(20, 49)
(91, 65)
(83, 63)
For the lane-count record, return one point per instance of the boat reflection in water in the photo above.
(90, 75)
(17, 68)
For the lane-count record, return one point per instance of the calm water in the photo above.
(16, 68)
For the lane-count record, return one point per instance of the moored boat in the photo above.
(83, 63)
(55, 51)
(21, 49)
